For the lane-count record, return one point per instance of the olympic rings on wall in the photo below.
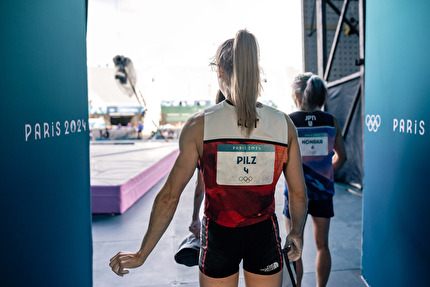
(373, 122)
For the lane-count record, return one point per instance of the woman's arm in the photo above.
(293, 172)
(166, 201)
(339, 156)
(195, 225)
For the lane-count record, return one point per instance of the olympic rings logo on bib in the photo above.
(243, 164)
(245, 179)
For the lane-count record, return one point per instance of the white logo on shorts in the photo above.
(271, 267)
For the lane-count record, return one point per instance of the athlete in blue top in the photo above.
(323, 152)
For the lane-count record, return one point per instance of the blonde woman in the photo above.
(242, 148)
(323, 152)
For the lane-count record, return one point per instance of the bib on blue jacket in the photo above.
(316, 135)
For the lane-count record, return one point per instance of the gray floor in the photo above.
(113, 233)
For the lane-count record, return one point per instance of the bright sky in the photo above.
(172, 41)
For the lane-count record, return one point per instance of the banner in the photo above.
(396, 150)
(45, 184)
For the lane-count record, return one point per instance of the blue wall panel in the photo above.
(44, 180)
(397, 154)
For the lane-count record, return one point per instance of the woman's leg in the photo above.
(256, 280)
(298, 265)
(230, 281)
(323, 260)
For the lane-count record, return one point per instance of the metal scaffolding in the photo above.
(325, 59)
(325, 64)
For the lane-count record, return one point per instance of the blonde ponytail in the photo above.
(245, 83)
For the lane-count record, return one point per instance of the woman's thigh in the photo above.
(230, 281)
(256, 280)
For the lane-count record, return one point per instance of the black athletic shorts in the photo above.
(223, 248)
(317, 208)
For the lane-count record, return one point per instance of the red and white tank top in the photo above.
(239, 173)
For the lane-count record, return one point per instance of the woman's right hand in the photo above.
(294, 247)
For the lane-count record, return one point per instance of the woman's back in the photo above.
(240, 172)
(316, 135)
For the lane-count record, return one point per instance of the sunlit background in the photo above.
(172, 42)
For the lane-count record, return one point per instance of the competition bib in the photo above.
(313, 144)
(243, 164)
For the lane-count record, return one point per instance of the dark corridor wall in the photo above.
(44, 179)
(396, 152)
